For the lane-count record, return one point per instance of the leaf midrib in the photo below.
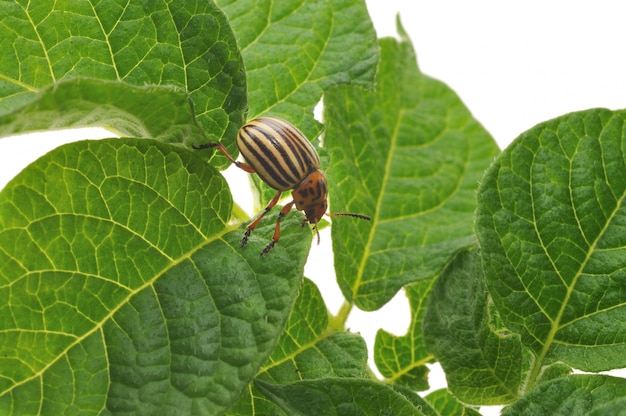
(376, 219)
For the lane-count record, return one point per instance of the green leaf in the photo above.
(161, 113)
(185, 44)
(338, 396)
(410, 155)
(581, 394)
(448, 405)
(123, 287)
(551, 227)
(482, 361)
(402, 359)
(296, 49)
(306, 350)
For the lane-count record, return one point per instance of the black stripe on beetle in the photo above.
(266, 162)
(281, 156)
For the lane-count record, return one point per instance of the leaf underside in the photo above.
(174, 45)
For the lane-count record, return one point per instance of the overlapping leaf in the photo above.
(337, 396)
(185, 44)
(482, 362)
(162, 113)
(306, 350)
(551, 222)
(411, 155)
(123, 287)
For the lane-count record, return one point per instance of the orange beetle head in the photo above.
(311, 195)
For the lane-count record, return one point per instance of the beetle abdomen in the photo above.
(279, 153)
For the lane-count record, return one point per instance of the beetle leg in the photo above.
(317, 231)
(222, 149)
(258, 219)
(276, 235)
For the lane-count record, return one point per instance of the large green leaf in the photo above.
(123, 287)
(551, 222)
(410, 155)
(185, 44)
(482, 361)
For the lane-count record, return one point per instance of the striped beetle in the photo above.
(284, 159)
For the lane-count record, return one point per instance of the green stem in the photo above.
(338, 322)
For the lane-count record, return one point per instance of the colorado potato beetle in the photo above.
(283, 157)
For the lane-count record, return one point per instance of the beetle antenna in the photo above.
(349, 214)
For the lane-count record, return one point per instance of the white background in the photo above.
(514, 64)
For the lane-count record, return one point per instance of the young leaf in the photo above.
(338, 396)
(186, 44)
(580, 394)
(402, 359)
(550, 222)
(483, 363)
(447, 404)
(122, 286)
(410, 156)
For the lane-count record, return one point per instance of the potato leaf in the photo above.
(123, 287)
(551, 225)
(410, 154)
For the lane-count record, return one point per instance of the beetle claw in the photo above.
(244, 239)
(268, 248)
